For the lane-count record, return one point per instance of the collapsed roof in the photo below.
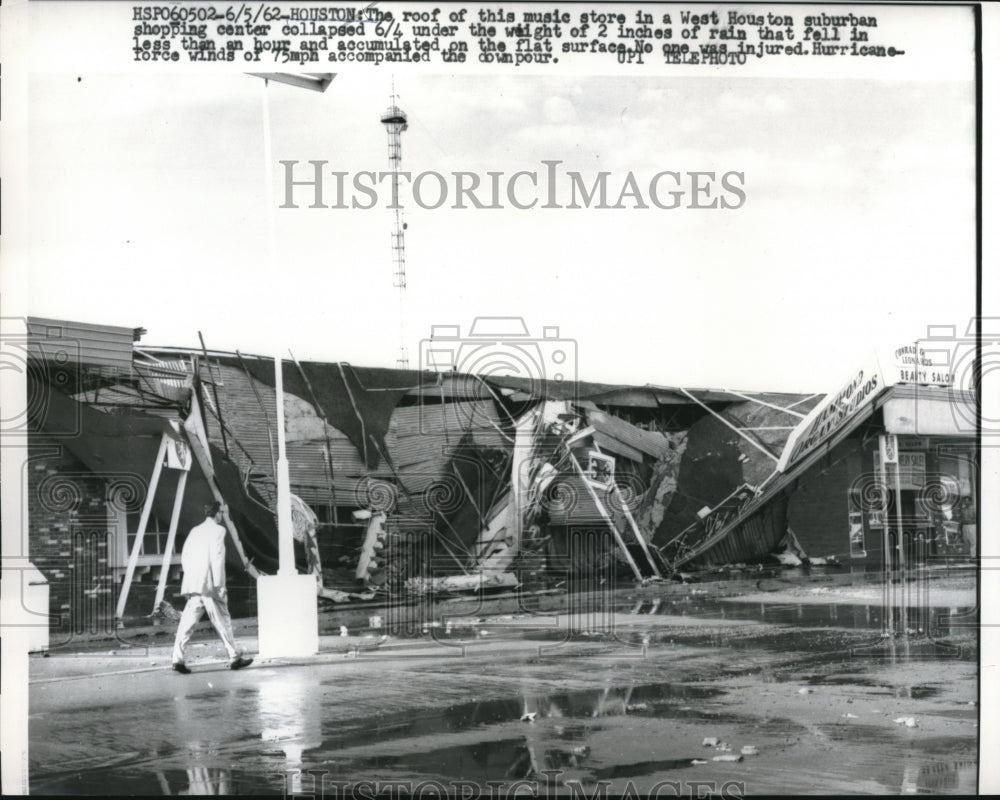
(420, 445)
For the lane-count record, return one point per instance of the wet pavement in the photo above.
(793, 694)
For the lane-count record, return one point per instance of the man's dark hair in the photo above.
(211, 509)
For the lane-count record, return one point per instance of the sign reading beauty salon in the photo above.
(921, 362)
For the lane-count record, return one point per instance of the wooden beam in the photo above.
(168, 551)
(786, 409)
(607, 517)
(147, 507)
(632, 523)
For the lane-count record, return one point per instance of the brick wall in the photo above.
(68, 536)
(818, 507)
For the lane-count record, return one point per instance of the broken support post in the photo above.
(634, 525)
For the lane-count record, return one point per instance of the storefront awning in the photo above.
(930, 411)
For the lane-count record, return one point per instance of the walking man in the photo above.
(203, 560)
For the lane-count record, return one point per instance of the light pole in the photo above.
(287, 614)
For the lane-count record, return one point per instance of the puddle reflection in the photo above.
(554, 732)
(245, 740)
(291, 718)
(293, 722)
(953, 777)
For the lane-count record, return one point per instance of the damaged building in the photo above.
(403, 481)
(882, 474)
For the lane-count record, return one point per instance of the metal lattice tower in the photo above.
(395, 123)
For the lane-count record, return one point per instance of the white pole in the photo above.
(287, 613)
(888, 600)
(903, 594)
(286, 547)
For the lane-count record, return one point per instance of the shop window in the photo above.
(125, 524)
(958, 466)
(154, 542)
(931, 489)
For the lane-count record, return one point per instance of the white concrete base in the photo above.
(35, 599)
(287, 616)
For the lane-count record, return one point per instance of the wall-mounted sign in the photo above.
(178, 452)
(888, 448)
(600, 470)
(926, 362)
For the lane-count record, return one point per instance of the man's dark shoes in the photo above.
(240, 662)
(181, 667)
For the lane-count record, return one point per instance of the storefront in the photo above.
(887, 464)
(901, 467)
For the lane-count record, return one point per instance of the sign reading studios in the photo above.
(910, 363)
(830, 415)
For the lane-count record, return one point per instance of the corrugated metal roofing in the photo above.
(422, 439)
(653, 444)
(420, 443)
(564, 390)
(610, 444)
(252, 421)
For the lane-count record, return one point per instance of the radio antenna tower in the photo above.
(395, 123)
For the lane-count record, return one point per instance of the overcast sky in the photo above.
(147, 208)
